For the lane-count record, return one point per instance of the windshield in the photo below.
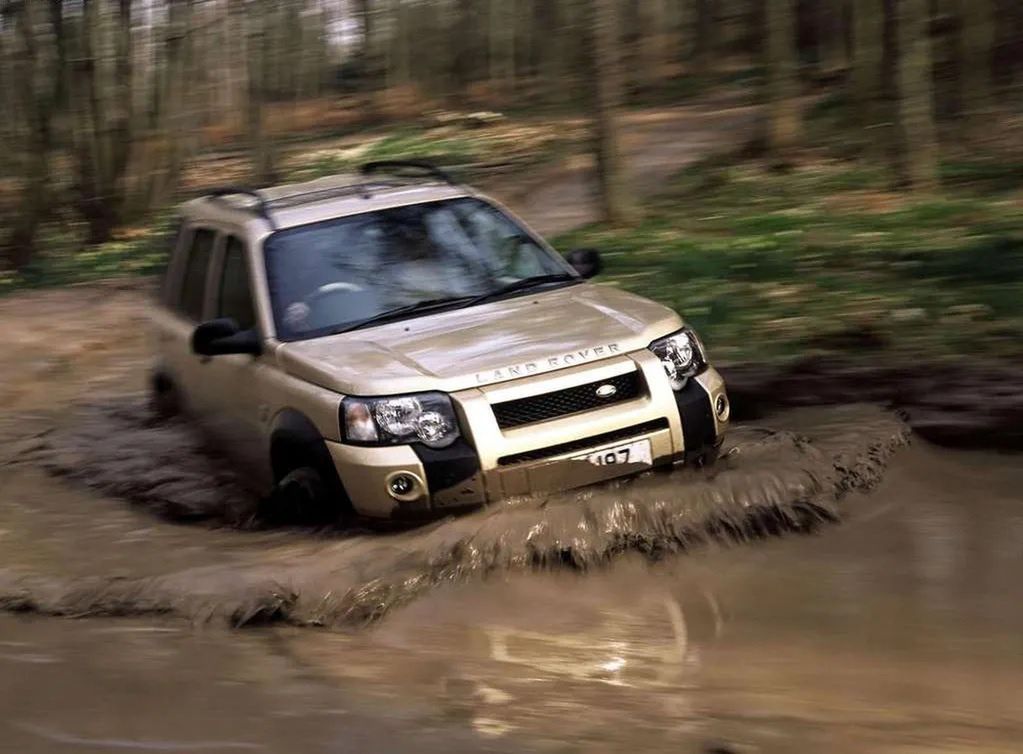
(329, 275)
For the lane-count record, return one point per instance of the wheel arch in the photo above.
(293, 437)
(294, 442)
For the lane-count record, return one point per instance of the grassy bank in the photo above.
(825, 258)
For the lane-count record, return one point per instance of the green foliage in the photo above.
(63, 261)
(405, 144)
(989, 175)
(418, 145)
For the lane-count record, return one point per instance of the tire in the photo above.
(163, 398)
(306, 495)
(709, 457)
(301, 497)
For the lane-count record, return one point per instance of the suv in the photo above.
(402, 345)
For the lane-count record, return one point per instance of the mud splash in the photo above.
(122, 449)
(786, 475)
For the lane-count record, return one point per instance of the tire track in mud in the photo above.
(786, 475)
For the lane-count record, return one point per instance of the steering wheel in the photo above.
(314, 302)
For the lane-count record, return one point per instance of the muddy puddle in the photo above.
(785, 475)
(896, 632)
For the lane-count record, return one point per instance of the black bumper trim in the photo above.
(448, 467)
(699, 431)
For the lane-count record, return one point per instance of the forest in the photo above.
(116, 109)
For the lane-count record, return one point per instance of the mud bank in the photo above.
(963, 404)
(785, 475)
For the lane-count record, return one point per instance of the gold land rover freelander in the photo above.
(400, 345)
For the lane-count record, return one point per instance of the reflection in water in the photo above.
(838, 643)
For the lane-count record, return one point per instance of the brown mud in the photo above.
(962, 403)
(786, 475)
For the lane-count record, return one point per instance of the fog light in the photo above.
(721, 407)
(404, 486)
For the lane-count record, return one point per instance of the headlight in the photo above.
(681, 356)
(428, 418)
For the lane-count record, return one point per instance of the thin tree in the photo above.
(260, 143)
(867, 57)
(615, 202)
(704, 34)
(369, 52)
(916, 155)
(37, 81)
(831, 48)
(102, 99)
(977, 46)
(784, 127)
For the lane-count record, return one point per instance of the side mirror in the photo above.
(220, 337)
(586, 262)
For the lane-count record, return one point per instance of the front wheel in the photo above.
(709, 457)
(306, 495)
(164, 401)
(301, 495)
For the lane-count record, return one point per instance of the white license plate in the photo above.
(633, 452)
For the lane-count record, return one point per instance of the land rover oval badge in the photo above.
(606, 391)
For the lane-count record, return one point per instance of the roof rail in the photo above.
(397, 167)
(262, 205)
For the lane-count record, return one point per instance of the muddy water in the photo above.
(97, 557)
(896, 631)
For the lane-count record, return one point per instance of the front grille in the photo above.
(588, 442)
(538, 408)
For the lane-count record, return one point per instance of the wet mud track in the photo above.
(785, 474)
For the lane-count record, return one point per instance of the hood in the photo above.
(482, 345)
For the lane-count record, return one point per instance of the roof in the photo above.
(294, 204)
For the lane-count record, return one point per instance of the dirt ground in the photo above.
(610, 619)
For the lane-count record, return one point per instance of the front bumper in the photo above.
(492, 463)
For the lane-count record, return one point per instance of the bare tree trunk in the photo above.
(977, 47)
(867, 56)
(259, 141)
(174, 108)
(400, 66)
(631, 45)
(704, 42)
(615, 201)
(463, 49)
(103, 104)
(511, 40)
(687, 32)
(372, 67)
(37, 85)
(548, 23)
(917, 154)
(831, 50)
(784, 127)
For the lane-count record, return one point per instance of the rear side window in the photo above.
(235, 299)
(193, 284)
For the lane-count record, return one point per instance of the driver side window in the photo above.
(234, 299)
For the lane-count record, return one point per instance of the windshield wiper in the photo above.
(524, 285)
(400, 313)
